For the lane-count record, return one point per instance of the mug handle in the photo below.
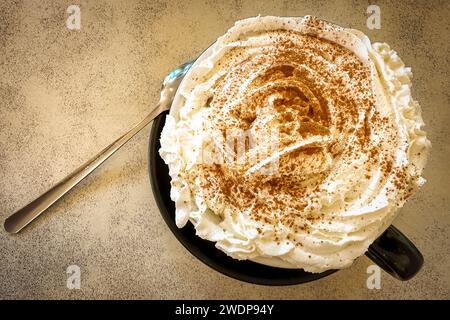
(396, 254)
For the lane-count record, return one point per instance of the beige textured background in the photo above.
(65, 94)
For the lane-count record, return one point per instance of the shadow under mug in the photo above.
(392, 251)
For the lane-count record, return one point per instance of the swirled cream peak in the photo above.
(349, 148)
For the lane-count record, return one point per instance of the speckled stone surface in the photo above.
(64, 95)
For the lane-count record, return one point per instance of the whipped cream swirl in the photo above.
(349, 152)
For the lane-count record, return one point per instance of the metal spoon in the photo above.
(18, 220)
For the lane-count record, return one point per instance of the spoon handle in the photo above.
(18, 220)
